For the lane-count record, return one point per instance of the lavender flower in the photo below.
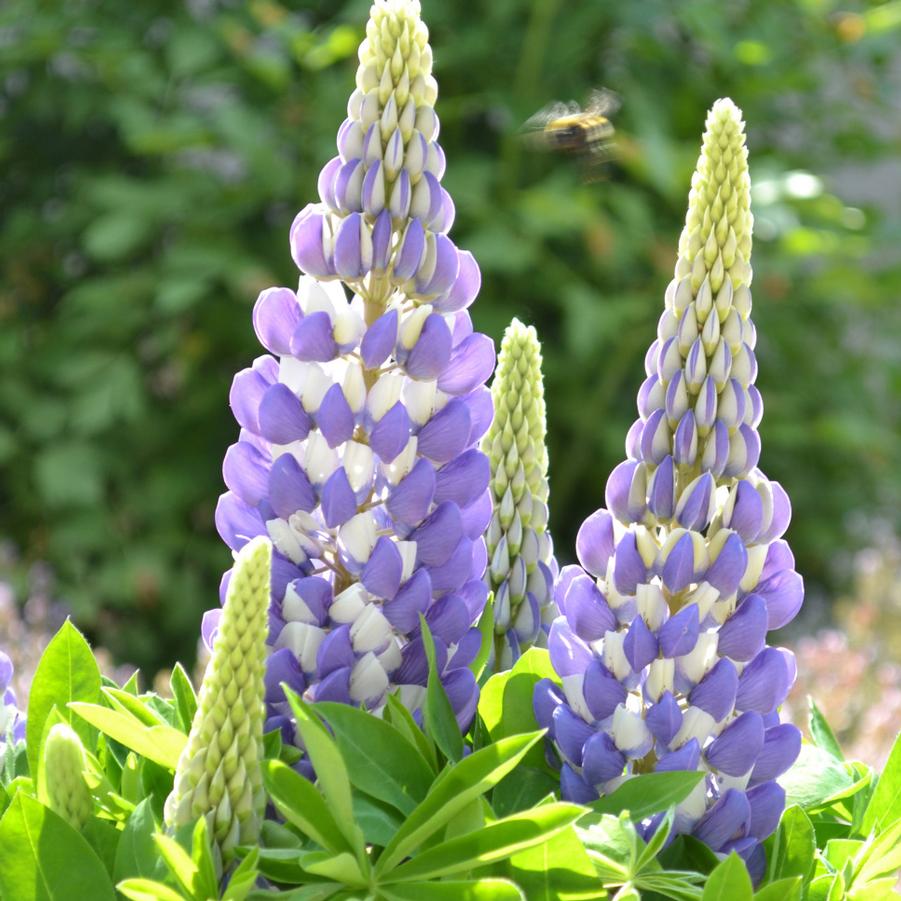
(662, 644)
(12, 720)
(522, 567)
(359, 430)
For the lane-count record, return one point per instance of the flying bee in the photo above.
(567, 128)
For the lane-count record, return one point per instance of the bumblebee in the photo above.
(567, 128)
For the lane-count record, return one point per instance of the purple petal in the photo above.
(715, 693)
(570, 656)
(481, 412)
(464, 479)
(209, 626)
(685, 758)
(379, 340)
(742, 636)
(282, 666)
(446, 268)
(472, 362)
(574, 788)
(349, 263)
(467, 649)
(313, 340)
(664, 720)
(463, 694)
(747, 511)
(236, 522)
(781, 746)
(764, 682)
(601, 690)
(678, 570)
(595, 544)
(414, 667)
(475, 596)
(382, 572)
(448, 619)
(570, 733)
(246, 472)
(410, 499)
(391, 433)
(446, 434)
(413, 598)
(326, 182)
(782, 513)
(335, 652)
(546, 698)
(455, 572)
(679, 634)
(693, 509)
(587, 611)
(727, 571)
(477, 516)
(335, 417)
(628, 567)
(247, 390)
(412, 248)
(334, 687)
(289, 489)
(465, 287)
(729, 818)
(735, 749)
(601, 759)
(624, 503)
(783, 594)
(431, 352)
(276, 315)
(282, 417)
(778, 558)
(685, 441)
(639, 645)
(767, 803)
(661, 489)
(381, 241)
(339, 503)
(307, 242)
(438, 535)
(316, 594)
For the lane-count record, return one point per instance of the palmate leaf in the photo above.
(454, 788)
(488, 844)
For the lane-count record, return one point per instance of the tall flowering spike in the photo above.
(662, 643)
(12, 720)
(64, 790)
(218, 774)
(521, 568)
(358, 452)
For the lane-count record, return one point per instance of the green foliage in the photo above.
(154, 157)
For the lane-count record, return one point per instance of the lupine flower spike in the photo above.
(12, 720)
(65, 790)
(358, 451)
(521, 568)
(662, 644)
(218, 774)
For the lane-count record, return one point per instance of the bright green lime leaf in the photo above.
(556, 870)
(331, 771)
(43, 858)
(103, 837)
(885, 805)
(380, 760)
(341, 867)
(282, 865)
(301, 804)
(452, 791)
(205, 882)
(521, 789)
(401, 718)
(244, 878)
(438, 713)
(729, 881)
(179, 863)
(658, 840)
(822, 733)
(781, 890)
(815, 777)
(126, 702)
(475, 890)
(379, 821)
(648, 794)
(613, 846)
(184, 695)
(137, 854)
(148, 890)
(161, 744)
(793, 848)
(882, 856)
(66, 672)
(486, 631)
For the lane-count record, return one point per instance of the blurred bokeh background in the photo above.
(153, 155)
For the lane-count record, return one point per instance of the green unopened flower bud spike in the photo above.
(521, 568)
(218, 775)
(64, 789)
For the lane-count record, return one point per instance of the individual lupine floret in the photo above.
(522, 567)
(12, 720)
(358, 451)
(662, 644)
(64, 789)
(218, 774)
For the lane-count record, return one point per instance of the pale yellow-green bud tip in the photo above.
(64, 790)
(218, 775)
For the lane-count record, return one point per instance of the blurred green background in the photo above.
(153, 155)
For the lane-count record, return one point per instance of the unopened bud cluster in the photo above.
(662, 643)
(521, 568)
(64, 789)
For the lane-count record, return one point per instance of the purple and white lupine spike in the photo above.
(358, 452)
(522, 568)
(661, 647)
(12, 720)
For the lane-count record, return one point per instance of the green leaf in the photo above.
(179, 863)
(331, 772)
(244, 878)
(822, 733)
(729, 881)
(523, 788)
(380, 760)
(793, 848)
(148, 890)
(137, 854)
(781, 890)
(505, 702)
(649, 793)
(184, 695)
(475, 890)
(162, 744)
(379, 821)
(205, 884)
(301, 804)
(103, 837)
(42, 858)
(556, 870)
(882, 856)
(452, 791)
(402, 720)
(440, 720)
(486, 631)
(66, 672)
(815, 778)
(885, 804)
(126, 702)
(658, 840)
